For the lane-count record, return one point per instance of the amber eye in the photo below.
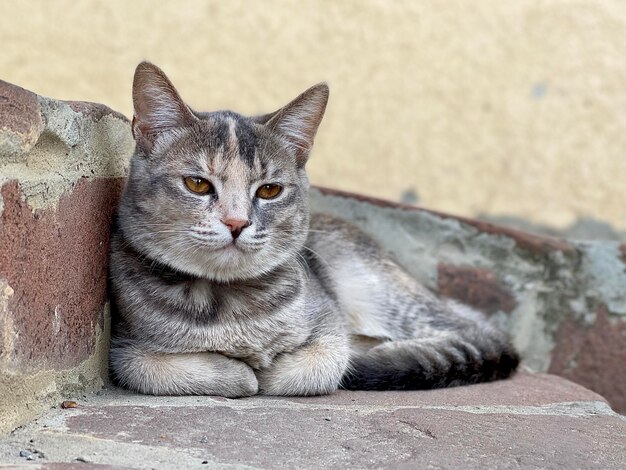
(269, 191)
(199, 185)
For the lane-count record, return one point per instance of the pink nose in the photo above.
(236, 226)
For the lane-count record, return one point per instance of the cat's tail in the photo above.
(426, 363)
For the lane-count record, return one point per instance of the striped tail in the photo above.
(417, 365)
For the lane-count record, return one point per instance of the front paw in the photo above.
(314, 369)
(240, 380)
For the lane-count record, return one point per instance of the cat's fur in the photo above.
(295, 305)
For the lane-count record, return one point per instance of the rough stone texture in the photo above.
(476, 287)
(583, 353)
(526, 389)
(538, 244)
(60, 177)
(94, 111)
(539, 288)
(56, 264)
(500, 425)
(21, 123)
(67, 141)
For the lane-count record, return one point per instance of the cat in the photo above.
(224, 284)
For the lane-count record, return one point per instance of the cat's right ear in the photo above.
(158, 106)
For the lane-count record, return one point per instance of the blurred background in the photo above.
(510, 111)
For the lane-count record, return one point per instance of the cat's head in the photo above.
(218, 195)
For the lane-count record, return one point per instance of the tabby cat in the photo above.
(224, 284)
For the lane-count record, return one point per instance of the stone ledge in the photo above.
(530, 421)
(49, 145)
(564, 302)
(60, 169)
(538, 244)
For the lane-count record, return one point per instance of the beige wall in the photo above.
(493, 107)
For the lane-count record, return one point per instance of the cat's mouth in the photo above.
(238, 247)
(234, 247)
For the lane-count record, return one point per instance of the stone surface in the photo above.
(533, 286)
(539, 244)
(56, 264)
(72, 140)
(61, 169)
(530, 421)
(94, 111)
(57, 196)
(526, 389)
(21, 122)
(584, 352)
(476, 287)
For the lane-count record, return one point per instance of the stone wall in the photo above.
(564, 302)
(61, 171)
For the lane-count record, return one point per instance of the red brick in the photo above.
(476, 287)
(57, 259)
(593, 356)
(20, 113)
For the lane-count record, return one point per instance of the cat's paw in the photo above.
(314, 369)
(240, 379)
(180, 373)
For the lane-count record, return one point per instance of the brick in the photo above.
(476, 287)
(594, 356)
(56, 263)
(21, 122)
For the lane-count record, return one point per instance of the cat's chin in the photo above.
(231, 263)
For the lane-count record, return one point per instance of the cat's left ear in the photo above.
(298, 121)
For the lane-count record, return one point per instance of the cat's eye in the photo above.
(269, 191)
(199, 185)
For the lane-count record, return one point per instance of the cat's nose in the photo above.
(236, 226)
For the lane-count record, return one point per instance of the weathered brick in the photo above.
(476, 287)
(594, 356)
(94, 111)
(21, 122)
(56, 263)
(536, 244)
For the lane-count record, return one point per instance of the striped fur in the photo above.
(292, 304)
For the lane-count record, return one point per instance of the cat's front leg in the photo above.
(316, 368)
(156, 373)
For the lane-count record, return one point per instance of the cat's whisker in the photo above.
(321, 258)
(303, 231)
